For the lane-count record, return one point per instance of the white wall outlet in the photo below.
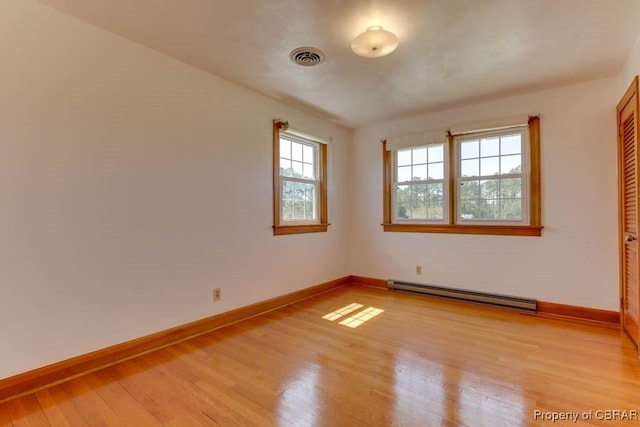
(418, 270)
(217, 294)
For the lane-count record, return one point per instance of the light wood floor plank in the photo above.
(28, 412)
(67, 406)
(89, 403)
(51, 409)
(419, 362)
(130, 411)
(162, 399)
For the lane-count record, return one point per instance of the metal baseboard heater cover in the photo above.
(496, 300)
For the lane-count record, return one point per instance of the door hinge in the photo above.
(621, 302)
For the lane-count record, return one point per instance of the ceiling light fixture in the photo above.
(374, 43)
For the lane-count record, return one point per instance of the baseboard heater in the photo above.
(504, 301)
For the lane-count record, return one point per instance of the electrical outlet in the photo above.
(217, 294)
(418, 270)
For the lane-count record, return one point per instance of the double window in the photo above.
(477, 182)
(299, 183)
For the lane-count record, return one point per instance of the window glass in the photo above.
(470, 149)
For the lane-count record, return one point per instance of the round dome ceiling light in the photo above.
(307, 56)
(374, 43)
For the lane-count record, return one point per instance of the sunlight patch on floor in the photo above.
(359, 318)
(347, 309)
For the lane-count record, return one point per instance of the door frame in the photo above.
(630, 95)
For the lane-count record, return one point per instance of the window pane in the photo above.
(297, 169)
(309, 192)
(285, 148)
(434, 192)
(309, 211)
(403, 196)
(470, 149)
(404, 157)
(298, 210)
(490, 189)
(511, 209)
(299, 191)
(489, 147)
(435, 211)
(419, 155)
(288, 190)
(511, 188)
(296, 151)
(489, 209)
(435, 201)
(470, 190)
(436, 153)
(511, 144)
(490, 166)
(419, 198)
(309, 171)
(436, 170)
(285, 167)
(419, 173)
(469, 210)
(404, 174)
(470, 167)
(307, 154)
(511, 164)
(287, 210)
(299, 201)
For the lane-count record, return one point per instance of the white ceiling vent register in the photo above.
(307, 56)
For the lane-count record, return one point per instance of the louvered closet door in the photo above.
(628, 187)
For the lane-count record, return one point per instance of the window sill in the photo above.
(498, 230)
(280, 230)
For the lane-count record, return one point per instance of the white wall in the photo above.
(631, 67)
(131, 185)
(574, 262)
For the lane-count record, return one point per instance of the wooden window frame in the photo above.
(534, 228)
(318, 226)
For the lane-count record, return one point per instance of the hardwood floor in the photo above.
(418, 362)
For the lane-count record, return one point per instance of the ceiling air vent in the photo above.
(307, 56)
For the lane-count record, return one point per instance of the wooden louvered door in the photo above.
(627, 113)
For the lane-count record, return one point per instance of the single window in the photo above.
(420, 190)
(484, 182)
(300, 190)
(492, 177)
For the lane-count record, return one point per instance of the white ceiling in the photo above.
(451, 52)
